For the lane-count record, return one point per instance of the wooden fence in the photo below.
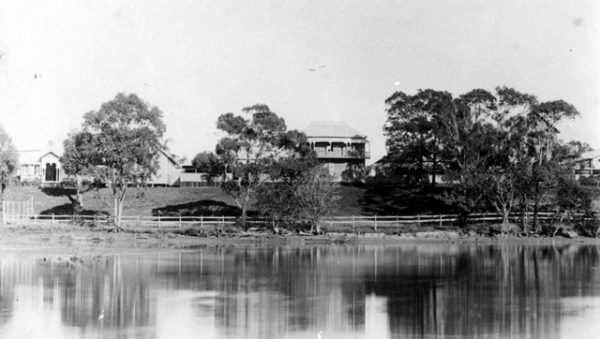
(329, 224)
(14, 211)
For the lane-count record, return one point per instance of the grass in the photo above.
(138, 201)
(353, 200)
(163, 200)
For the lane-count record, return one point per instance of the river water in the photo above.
(324, 291)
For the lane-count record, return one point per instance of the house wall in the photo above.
(587, 168)
(168, 174)
(344, 158)
(29, 172)
(50, 162)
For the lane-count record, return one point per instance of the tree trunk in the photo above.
(524, 214)
(120, 210)
(433, 170)
(536, 206)
(505, 215)
(2, 188)
(78, 203)
(245, 210)
(116, 210)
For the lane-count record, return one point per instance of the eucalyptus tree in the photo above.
(78, 160)
(536, 150)
(256, 141)
(118, 145)
(8, 160)
(413, 129)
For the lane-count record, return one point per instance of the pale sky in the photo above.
(198, 59)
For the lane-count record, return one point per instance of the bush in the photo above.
(588, 181)
(588, 226)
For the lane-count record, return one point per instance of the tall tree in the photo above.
(118, 145)
(78, 160)
(316, 195)
(255, 142)
(413, 130)
(279, 200)
(537, 145)
(8, 161)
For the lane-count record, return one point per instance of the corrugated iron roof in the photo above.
(29, 157)
(589, 155)
(331, 129)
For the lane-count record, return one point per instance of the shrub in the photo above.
(588, 226)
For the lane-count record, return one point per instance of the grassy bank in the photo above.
(148, 201)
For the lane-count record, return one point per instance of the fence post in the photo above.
(330, 223)
(397, 225)
(440, 220)
(52, 218)
(201, 221)
(353, 227)
(376, 222)
(223, 223)
(179, 220)
(159, 221)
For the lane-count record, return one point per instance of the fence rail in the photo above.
(331, 224)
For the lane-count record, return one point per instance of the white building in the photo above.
(339, 147)
(38, 167)
(168, 173)
(588, 165)
(44, 168)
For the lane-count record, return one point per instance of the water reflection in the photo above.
(409, 291)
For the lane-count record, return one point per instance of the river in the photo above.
(420, 290)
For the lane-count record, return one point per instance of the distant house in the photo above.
(51, 169)
(339, 147)
(168, 173)
(45, 169)
(588, 165)
(37, 167)
(30, 168)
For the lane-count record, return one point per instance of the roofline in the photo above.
(45, 154)
(170, 157)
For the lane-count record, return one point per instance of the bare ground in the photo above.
(83, 241)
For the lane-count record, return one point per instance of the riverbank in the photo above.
(80, 241)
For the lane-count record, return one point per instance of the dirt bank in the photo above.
(79, 240)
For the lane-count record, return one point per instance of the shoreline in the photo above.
(78, 240)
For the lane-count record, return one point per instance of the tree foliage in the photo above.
(316, 194)
(8, 160)
(413, 128)
(256, 142)
(497, 148)
(118, 145)
(209, 164)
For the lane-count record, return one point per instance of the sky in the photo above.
(307, 60)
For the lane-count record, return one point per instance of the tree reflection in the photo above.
(418, 290)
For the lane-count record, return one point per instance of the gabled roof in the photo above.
(169, 157)
(331, 129)
(49, 153)
(29, 157)
(589, 155)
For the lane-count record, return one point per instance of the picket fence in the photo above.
(330, 224)
(17, 210)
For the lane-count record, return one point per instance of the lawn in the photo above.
(211, 201)
(162, 200)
